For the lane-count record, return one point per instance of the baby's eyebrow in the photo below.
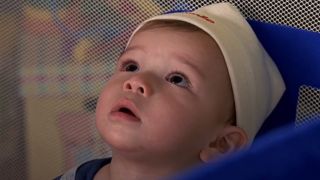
(130, 48)
(184, 59)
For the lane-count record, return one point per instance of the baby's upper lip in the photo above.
(127, 104)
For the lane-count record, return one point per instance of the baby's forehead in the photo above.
(197, 46)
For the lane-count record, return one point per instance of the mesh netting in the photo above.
(57, 55)
(308, 108)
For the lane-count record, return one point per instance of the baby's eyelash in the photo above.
(175, 77)
(124, 65)
(184, 81)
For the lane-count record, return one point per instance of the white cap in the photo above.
(256, 82)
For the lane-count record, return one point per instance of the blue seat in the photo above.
(297, 55)
(287, 153)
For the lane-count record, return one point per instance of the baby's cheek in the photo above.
(106, 93)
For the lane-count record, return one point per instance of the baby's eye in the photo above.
(178, 79)
(129, 66)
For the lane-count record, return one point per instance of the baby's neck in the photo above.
(123, 169)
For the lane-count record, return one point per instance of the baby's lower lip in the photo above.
(124, 116)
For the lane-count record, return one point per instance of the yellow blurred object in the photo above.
(81, 50)
(149, 7)
(37, 13)
(40, 14)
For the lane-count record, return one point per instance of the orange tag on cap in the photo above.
(203, 17)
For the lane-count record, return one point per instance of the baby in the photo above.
(189, 88)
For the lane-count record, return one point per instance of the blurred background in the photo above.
(55, 57)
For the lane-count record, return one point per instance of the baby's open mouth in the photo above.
(127, 111)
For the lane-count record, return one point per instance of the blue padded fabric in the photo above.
(288, 153)
(297, 54)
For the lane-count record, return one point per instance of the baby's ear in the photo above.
(230, 139)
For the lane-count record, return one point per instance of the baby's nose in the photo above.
(139, 83)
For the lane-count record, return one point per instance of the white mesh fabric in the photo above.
(308, 108)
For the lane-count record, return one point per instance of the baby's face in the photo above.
(168, 97)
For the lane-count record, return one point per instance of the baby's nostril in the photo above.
(128, 86)
(141, 90)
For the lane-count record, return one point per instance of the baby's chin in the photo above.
(122, 144)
